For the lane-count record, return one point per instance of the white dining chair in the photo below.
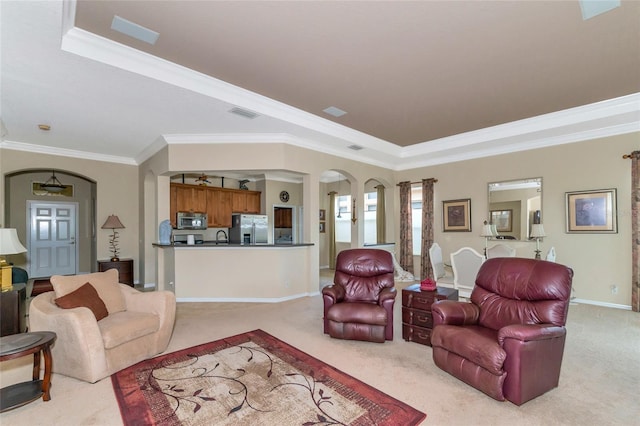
(465, 263)
(500, 250)
(442, 278)
(551, 255)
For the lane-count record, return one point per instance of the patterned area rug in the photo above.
(250, 379)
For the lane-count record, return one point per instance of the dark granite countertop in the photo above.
(226, 245)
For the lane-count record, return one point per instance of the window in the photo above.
(416, 218)
(343, 222)
(370, 228)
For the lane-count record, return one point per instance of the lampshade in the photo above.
(486, 231)
(113, 223)
(9, 242)
(537, 231)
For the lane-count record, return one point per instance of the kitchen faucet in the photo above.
(226, 238)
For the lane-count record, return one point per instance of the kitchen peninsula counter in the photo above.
(211, 272)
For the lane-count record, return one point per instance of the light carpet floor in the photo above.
(599, 383)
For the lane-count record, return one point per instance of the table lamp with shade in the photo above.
(537, 232)
(9, 244)
(487, 232)
(113, 223)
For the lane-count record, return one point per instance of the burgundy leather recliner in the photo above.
(359, 304)
(509, 341)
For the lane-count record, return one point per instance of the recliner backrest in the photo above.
(364, 273)
(511, 290)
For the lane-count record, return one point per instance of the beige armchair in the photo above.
(138, 326)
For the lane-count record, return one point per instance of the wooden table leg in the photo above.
(36, 366)
(46, 380)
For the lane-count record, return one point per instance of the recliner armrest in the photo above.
(530, 332)
(335, 292)
(452, 312)
(387, 293)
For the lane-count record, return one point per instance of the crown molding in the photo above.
(271, 138)
(63, 152)
(601, 119)
(97, 48)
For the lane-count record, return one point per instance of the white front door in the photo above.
(52, 238)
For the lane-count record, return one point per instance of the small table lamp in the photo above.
(113, 223)
(487, 232)
(9, 244)
(537, 232)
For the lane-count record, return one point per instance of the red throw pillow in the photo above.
(85, 296)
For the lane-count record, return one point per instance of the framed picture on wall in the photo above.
(456, 215)
(592, 211)
(323, 214)
(502, 219)
(322, 227)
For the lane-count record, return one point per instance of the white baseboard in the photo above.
(245, 300)
(604, 304)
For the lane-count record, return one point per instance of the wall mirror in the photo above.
(514, 206)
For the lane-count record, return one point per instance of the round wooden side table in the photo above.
(17, 346)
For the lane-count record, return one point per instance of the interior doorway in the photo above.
(285, 225)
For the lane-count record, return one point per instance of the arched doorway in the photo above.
(20, 191)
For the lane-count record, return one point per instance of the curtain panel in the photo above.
(332, 230)
(427, 228)
(406, 235)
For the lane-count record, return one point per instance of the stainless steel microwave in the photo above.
(190, 220)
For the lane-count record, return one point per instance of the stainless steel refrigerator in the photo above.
(249, 229)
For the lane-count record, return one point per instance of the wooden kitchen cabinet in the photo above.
(218, 203)
(283, 218)
(186, 198)
(246, 201)
(219, 208)
(191, 198)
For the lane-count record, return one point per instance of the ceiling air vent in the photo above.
(336, 112)
(243, 113)
(134, 30)
(355, 147)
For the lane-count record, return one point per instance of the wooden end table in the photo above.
(17, 346)
(417, 321)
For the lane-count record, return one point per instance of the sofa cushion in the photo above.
(123, 327)
(105, 283)
(476, 344)
(85, 296)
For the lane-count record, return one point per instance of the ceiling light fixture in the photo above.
(44, 127)
(134, 30)
(53, 184)
(336, 112)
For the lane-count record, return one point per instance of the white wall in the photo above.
(598, 260)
